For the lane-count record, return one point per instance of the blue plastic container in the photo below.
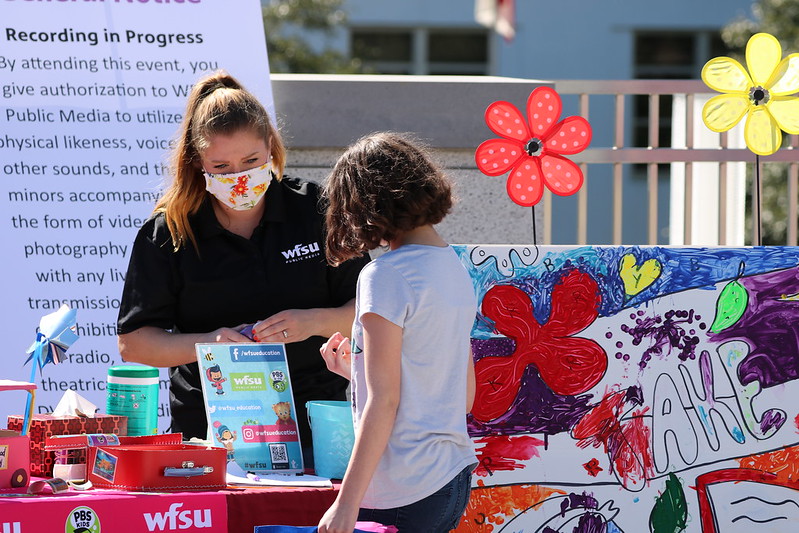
(333, 436)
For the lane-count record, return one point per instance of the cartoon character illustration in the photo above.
(283, 412)
(226, 438)
(214, 374)
(104, 466)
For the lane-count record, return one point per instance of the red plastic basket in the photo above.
(15, 445)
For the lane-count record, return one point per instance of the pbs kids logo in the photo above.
(82, 520)
(278, 380)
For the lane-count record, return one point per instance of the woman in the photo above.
(233, 243)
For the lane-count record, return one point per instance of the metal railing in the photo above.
(655, 155)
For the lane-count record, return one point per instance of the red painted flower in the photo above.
(533, 151)
(569, 365)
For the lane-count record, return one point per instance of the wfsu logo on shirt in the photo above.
(301, 251)
(248, 381)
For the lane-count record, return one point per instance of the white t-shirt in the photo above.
(426, 291)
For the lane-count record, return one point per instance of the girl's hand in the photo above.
(338, 520)
(337, 354)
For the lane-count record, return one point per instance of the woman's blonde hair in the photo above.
(217, 104)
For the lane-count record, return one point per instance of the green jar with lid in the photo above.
(132, 391)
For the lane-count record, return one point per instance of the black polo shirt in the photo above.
(232, 281)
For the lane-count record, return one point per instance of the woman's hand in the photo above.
(225, 335)
(291, 325)
(337, 354)
(296, 325)
(338, 519)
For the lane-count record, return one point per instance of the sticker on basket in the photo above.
(105, 465)
(102, 439)
(48, 486)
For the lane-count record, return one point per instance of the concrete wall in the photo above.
(319, 115)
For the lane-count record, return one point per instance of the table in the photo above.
(102, 511)
(292, 506)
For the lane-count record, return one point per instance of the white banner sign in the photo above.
(91, 93)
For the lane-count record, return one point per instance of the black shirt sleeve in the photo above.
(149, 295)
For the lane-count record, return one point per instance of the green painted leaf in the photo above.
(670, 513)
(730, 306)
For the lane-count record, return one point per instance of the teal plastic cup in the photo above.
(333, 436)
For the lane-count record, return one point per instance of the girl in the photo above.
(218, 252)
(410, 363)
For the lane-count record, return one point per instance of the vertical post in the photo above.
(618, 143)
(652, 168)
(757, 190)
(689, 170)
(582, 194)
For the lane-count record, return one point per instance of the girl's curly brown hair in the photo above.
(383, 186)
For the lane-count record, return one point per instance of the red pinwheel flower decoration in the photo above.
(534, 150)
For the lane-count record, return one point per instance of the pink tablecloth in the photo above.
(233, 510)
(105, 511)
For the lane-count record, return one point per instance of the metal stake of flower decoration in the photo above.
(55, 334)
(533, 149)
(765, 94)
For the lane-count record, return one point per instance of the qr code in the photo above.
(279, 454)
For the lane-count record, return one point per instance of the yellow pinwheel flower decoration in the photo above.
(765, 97)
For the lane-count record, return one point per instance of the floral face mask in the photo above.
(241, 190)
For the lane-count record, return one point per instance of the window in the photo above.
(384, 52)
(422, 51)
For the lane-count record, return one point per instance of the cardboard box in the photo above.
(172, 467)
(43, 426)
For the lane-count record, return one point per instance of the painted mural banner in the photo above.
(633, 389)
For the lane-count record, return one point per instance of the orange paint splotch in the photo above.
(492, 506)
(782, 463)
